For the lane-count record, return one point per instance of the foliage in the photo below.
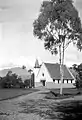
(23, 67)
(30, 70)
(10, 80)
(58, 23)
(78, 69)
(27, 83)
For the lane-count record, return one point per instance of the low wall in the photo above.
(37, 84)
(55, 85)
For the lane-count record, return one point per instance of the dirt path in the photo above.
(33, 106)
(14, 109)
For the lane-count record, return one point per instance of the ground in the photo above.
(35, 106)
(13, 92)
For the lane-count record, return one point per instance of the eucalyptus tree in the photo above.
(58, 24)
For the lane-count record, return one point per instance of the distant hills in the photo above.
(23, 73)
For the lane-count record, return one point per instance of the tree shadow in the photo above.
(70, 110)
(53, 110)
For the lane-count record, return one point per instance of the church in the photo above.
(48, 75)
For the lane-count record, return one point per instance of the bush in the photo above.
(78, 82)
(27, 82)
(11, 81)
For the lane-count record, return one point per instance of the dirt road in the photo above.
(14, 109)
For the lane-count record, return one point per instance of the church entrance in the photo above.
(43, 82)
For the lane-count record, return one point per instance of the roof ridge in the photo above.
(50, 63)
(53, 63)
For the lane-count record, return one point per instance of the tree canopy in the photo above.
(78, 74)
(58, 23)
(10, 80)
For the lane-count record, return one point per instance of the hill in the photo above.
(23, 73)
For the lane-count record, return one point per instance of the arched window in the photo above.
(43, 74)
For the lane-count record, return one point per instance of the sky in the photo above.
(18, 46)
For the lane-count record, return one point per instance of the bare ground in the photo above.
(14, 109)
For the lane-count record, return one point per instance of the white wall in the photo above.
(44, 70)
(56, 81)
(36, 70)
(69, 81)
(73, 81)
(54, 85)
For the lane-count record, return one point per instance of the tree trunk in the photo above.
(61, 72)
(63, 54)
(61, 67)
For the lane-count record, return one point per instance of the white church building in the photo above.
(48, 75)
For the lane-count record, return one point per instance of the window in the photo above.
(71, 81)
(53, 80)
(58, 81)
(42, 74)
(63, 80)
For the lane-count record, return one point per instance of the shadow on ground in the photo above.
(49, 109)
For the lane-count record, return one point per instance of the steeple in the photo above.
(37, 64)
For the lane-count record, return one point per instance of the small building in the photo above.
(48, 75)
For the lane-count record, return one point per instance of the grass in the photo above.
(67, 92)
(12, 93)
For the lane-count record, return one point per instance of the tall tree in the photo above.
(58, 24)
(23, 67)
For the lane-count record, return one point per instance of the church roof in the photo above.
(54, 71)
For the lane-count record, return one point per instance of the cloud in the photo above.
(78, 5)
(29, 62)
(18, 10)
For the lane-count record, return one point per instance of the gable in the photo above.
(43, 70)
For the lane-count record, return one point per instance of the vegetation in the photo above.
(23, 67)
(12, 93)
(67, 93)
(58, 24)
(78, 70)
(12, 80)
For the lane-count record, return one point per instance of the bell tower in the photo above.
(36, 69)
(37, 64)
